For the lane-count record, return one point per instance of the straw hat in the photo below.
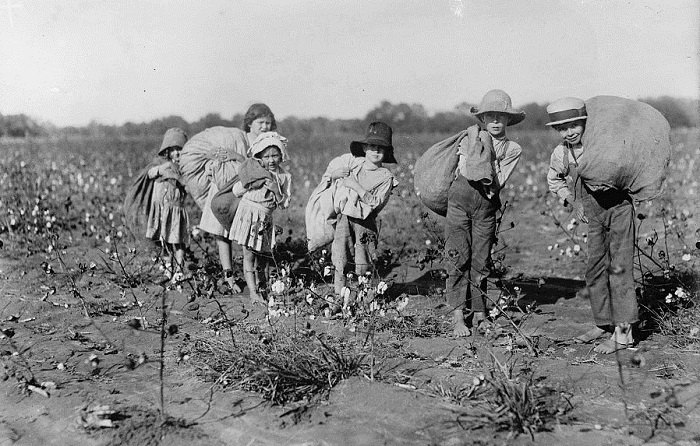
(174, 137)
(378, 134)
(269, 139)
(566, 110)
(498, 101)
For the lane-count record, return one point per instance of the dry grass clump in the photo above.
(418, 326)
(506, 402)
(283, 370)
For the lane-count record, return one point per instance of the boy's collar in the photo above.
(370, 165)
(577, 146)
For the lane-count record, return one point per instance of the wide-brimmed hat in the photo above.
(566, 110)
(378, 134)
(498, 101)
(174, 137)
(269, 139)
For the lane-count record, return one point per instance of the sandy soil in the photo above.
(60, 367)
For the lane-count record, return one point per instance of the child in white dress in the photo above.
(252, 226)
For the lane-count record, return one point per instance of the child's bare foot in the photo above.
(459, 328)
(255, 298)
(590, 336)
(620, 340)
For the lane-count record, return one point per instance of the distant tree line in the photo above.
(404, 118)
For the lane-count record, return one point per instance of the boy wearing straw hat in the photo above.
(470, 227)
(610, 218)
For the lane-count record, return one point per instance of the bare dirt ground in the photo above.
(60, 368)
(87, 350)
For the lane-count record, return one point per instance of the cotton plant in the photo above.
(367, 299)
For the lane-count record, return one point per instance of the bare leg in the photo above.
(178, 264)
(249, 262)
(338, 281)
(224, 246)
(459, 328)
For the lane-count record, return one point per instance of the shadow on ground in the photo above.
(542, 290)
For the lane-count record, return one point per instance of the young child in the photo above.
(167, 218)
(610, 218)
(210, 160)
(252, 226)
(470, 227)
(363, 172)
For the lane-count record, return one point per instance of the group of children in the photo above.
(470, 226)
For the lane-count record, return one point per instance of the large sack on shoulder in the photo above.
(320, 216)
(321, 213)
(626, 146)
(199, 152)
(434, 172)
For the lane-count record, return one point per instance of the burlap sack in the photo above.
(478, 155)
(224, 204)
(626, 146)
(321, 214)
(137, 202)
(434, 173)
(199, 152)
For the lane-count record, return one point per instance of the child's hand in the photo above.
(578, 211)
(340, 173)
(273, 187)
(153, 172)
(270, 184)
(352, 183)
(223, 155)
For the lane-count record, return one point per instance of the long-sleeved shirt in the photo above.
(559, 168)
(378, 183)
(505, 157)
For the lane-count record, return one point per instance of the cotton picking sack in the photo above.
(199, 152)
(137, 202)
(435, 171)
(626, 146)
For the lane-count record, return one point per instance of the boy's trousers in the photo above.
(469, 235)
(610, 269)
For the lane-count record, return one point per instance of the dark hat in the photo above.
(379, 134)
(498, 101)
(174, 137)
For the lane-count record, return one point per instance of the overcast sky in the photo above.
(72, 61)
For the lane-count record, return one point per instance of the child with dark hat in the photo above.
(361, 188)
(470, 227)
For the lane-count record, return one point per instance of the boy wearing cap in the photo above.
(470, 228)
(363, 172)
(610, 218)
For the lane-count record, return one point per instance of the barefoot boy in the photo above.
(610, 218)
(470, 226)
